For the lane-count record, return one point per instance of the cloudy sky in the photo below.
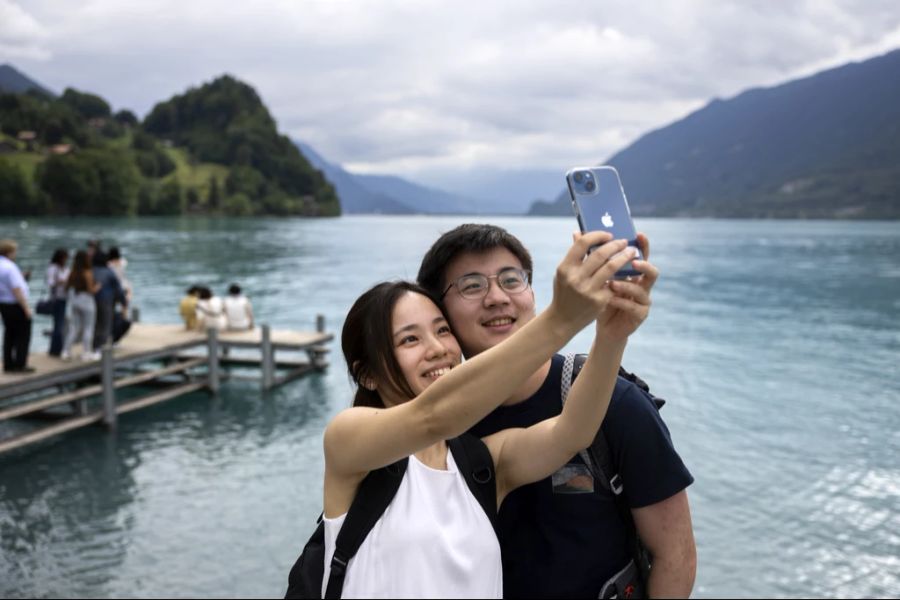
(436, 89)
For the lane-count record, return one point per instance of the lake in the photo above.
(776, 344)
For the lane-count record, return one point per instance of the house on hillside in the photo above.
(29, 138)
(61, 149)
(97, 122)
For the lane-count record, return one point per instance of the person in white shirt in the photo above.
(210, 311)
(15, 311)
(238, 311)
(413, 394)
(57, 277)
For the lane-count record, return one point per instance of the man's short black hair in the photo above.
(471, 237)
(234, 289)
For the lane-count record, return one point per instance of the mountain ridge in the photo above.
(809, 148)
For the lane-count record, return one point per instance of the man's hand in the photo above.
(580, 288)
(630, 305)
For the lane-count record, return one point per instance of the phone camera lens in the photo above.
(589, 186)
(579, 177)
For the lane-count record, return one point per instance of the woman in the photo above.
(210, 311)
(82, 308)
(57, 276)
(434, 540)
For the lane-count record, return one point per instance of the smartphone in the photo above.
(598, 200)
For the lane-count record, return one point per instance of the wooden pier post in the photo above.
(268, 359)
(108, 378)
(320, 323)
(212, 344)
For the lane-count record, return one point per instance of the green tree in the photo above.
(237, 205)
(214, 197)
(96, 182)
(126, 117)
(171, 198)
(16, 194)
(90, 106)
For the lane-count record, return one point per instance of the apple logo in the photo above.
(607, 221)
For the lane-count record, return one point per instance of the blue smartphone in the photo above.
(598, 200)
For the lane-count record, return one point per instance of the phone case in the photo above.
(599, 202)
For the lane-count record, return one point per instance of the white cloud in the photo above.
(21, 36)
(412, 86)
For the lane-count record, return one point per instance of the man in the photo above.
(564, 536)
(15, 311)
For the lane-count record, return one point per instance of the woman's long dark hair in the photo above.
(78, 276)
(367, 341)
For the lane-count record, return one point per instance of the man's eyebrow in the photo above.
(500, 270)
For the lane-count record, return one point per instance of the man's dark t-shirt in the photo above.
(562, 537)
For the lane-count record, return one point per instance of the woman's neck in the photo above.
(434, 456)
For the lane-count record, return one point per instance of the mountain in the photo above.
(825, 146)
(421, 198)
(225, 122)
(505, 191)
(354, 197)
(389, 194)
(13, 81)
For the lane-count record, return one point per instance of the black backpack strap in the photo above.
(598, 457)
(375, 494)
(477, 467)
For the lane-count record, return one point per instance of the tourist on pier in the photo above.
(107, 296)
(57, 276)
(81, 307)
(556, 543)
(118, 264)
(238, 311)
(210, 311)
(436, 539)
(15, 312)
(187, 308)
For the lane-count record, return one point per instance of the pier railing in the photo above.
(167, 358)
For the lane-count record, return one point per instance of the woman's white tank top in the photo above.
(433, 541)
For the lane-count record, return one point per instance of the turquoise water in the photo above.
(776, 344)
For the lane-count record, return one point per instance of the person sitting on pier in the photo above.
(414, 398)
(210, 311)
(238, 310)
(187, 308)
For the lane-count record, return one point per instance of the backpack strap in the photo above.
(375, 493)
(598, 458)
(477, 467)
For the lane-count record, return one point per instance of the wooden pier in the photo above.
(170, 359)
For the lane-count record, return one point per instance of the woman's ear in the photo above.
(364, 378)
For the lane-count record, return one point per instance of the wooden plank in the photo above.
(93, 390)
(46, 432)
(151, 399)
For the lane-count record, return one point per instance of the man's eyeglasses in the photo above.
(476, 285)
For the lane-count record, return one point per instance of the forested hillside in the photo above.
(213, 150)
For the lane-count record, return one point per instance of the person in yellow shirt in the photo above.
(188, 307)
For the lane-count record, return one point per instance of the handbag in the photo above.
(44, 307)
